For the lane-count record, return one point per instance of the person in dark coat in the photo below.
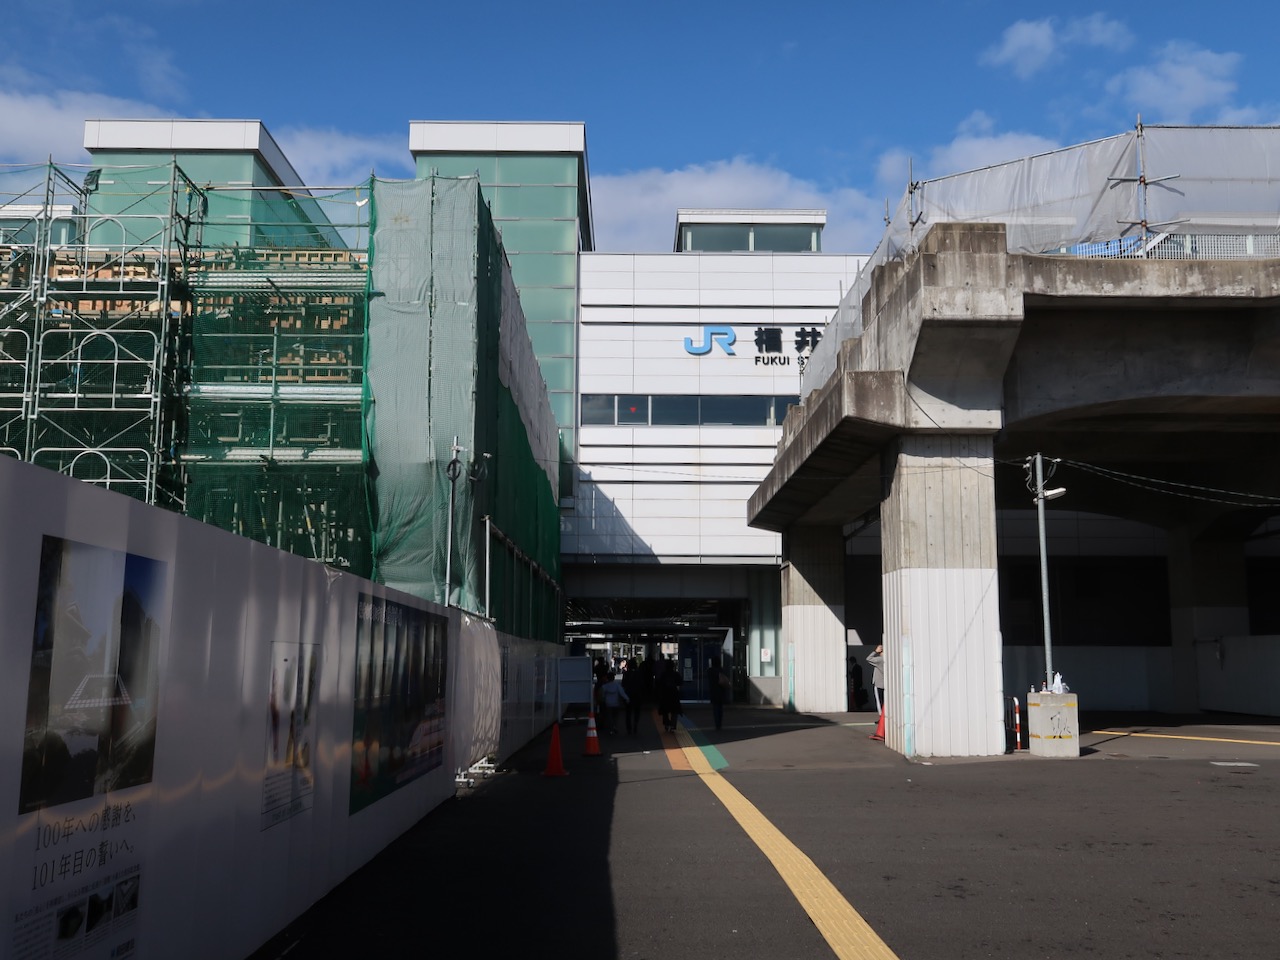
(600, 673)
(718, 686)
(669, 696)
(633, 684)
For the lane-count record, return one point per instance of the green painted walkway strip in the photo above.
(713, 755)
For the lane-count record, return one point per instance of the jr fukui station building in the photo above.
(694, 524)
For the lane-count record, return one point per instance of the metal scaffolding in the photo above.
(274, 447)
(92, 305)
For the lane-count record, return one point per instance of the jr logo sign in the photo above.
(712, 335)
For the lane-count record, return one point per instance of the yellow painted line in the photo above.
(850, 936)
(671, 746)
(675, 756)
(1174, 736)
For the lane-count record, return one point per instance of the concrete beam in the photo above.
(1125, 353)
(1175, 284)
(831, 437)
(940, 329)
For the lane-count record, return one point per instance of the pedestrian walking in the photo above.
(612, 696)
(876, 660)
(718, 689)
(633, 687)
(669, 696)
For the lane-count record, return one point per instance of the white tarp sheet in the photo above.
(1200, 180)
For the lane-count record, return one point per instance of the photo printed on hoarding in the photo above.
(399, 728)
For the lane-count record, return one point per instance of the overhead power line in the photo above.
(1175, 488)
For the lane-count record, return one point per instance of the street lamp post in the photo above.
(1041, 495)
(452, 471)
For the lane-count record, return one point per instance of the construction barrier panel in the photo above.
(197, 726)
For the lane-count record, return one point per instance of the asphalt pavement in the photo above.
(1161, 840)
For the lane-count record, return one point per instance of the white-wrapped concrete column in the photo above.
(813, 618)
(944, 689)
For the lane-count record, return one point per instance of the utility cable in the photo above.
(1176, 488)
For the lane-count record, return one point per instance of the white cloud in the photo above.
(327, 157)
(1268, 116)
(157, 71)
(893, 169)
(35, 126)
(636, 211)
(1026, 47)
(141, 51)
(1183, 81)
(1029, 46)
(977, 124)
(970, 152)
(976, 145)
(1097, 30)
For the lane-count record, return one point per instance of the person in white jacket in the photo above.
(876, 661)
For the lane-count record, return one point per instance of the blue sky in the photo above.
(686, 104)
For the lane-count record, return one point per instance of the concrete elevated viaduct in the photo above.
(971, 357)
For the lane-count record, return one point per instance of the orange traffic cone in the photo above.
(879, 734)
(593, 739)
(555, 765)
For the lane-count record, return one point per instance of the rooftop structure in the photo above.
(535, 181)
(170, 137)
(740, 231)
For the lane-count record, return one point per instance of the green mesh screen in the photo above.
(421, 368)
(435, 375)
(316, 512)
(272, 438)
(516, 492)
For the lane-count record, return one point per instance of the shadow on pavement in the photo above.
(520, 858)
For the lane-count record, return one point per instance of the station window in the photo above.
(786, 238)
(608, 409)
(747, 237)
(633, 409)
(733, 411)
(675, 411)
(717, 237)
(597, 409)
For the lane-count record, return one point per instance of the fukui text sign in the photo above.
(774, 346)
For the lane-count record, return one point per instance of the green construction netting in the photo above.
(314, 511)
(237, 353)
(451, 376)
(274, 416)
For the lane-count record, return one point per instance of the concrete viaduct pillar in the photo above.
(813, 629)
(941, 602)
(903, 430)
